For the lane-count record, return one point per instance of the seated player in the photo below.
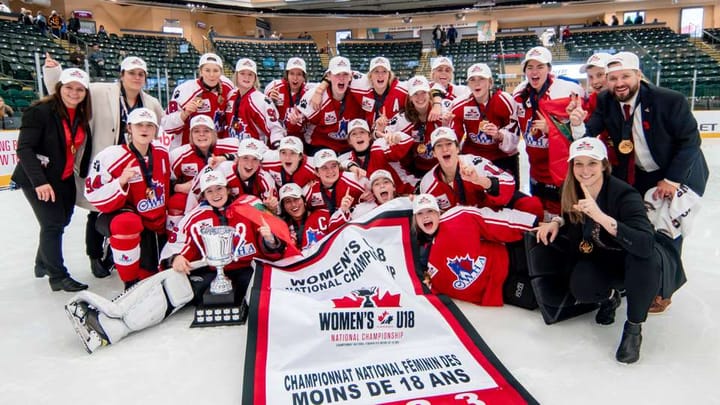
(308, 228)
(463, 252)
(129, 184)
(369, 154)
(100, 322)
(471, 180)
(382, 187)
(334, 186)
(288, 164)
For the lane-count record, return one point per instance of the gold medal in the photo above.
(421, 149)
(150, 193)
(585, 247)
(72, 149)
(625, 147)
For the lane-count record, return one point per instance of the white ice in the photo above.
(568, 363)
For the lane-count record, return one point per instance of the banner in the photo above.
(8, 157)
(352, 323)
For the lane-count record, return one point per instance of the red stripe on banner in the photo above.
(262, 336)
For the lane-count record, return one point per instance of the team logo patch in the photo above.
(330, 118)
(466, 270)
(204, 106)
(368, 103)
(480, 138)
(312, 236)
(443, 202)
(154, 200)
(189, 169)
(471, 113)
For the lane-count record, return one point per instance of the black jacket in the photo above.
(670, 130)
(42, 133)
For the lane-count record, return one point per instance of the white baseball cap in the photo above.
(417, 83)
(339, 64)
(599, 59)
(251, 147)
(292, 143)
(202, 120)
(210, 58)
(75, 75)
(139, 115)
(441, 61)
(538, 53)
(588, 146)
(133, 62)
(379, 61)
(381, 174)
(442, 133)
(323, 156)
(479, 69)
(357, 123)
(290, 190)
(212, 178)
(623, 61)
(296, 63)
(425, 201)
(246, 64)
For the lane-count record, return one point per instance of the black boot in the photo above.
(67, 284)
(629, 349)
(606, 314)
(98, 269)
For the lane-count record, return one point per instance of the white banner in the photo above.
(351, 324)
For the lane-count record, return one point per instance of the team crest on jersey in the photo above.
(535, 138)
(237, 129)
(480, 138)
(176, 95)
(368, 103)
(153, 200)
(471, 113)
(303, 104)
(330, 118)
(341, 133)
(189, 169)
(466, 270)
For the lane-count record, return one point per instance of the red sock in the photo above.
(125, 242)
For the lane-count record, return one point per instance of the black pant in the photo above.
(510, 164)
(94, 240)
(151, 243)
(52, 217)
(592, 279)
(201, 279)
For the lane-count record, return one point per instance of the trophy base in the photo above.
(221, 309)
(206, 316)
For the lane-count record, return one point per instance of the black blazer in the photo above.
(670, 130)
(635, 233)
(42, 133)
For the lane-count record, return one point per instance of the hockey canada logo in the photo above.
(466, 270)
(368, 298)
(312, 236)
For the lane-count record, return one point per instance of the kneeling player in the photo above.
(99, 321)
(468, 268)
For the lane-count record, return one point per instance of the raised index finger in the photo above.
(586, 192)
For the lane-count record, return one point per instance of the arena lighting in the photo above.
(407, 20)
(485, 3)
(460, 16)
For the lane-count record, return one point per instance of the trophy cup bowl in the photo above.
(218, 252)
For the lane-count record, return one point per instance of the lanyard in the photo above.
(146, 168)
(220, 215)
(459, 188)
(73, 130)
(363, 158)
(203, 156)
(299, 230)
(293, 101)
(379, 101)
(329, 200)
(124, 112)
(535, 96)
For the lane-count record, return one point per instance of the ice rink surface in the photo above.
(572, 362)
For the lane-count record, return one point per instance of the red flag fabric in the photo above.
(256, 215)
(553, 112)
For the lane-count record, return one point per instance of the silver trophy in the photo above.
(218, 252)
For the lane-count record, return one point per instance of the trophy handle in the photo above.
(194, 231)
(240, 232)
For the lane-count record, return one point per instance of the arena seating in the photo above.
(660, 49)
(509, 48)
(404, 55)
(270, 56)
(174, 53)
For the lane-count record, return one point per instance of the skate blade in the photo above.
(89, 340)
